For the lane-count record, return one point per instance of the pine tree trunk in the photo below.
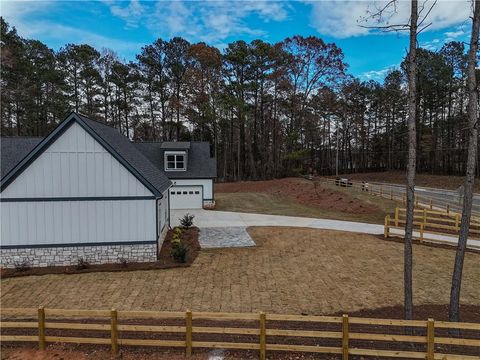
(454, 311)
(412, 158)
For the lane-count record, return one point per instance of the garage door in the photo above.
(186, 197)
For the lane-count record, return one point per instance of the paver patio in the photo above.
(291, 270)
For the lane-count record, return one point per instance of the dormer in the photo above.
(175, 155)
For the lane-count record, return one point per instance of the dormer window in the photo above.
(175, 161)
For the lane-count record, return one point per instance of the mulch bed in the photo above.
(165, 261)
(301, 191)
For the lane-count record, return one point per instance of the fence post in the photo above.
(391, 194)
(430, 339)
(425, 217)
(431, 204)
(422, 229)
(404, 200)
(386, 231)
(381, 190)
(114, 331)
(345, 337)
(41, 328)
(457, 222)
(397, 211)
(448, 209)
(263, 336)
(188, 333)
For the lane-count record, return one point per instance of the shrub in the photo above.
(123, 262)
(82, 264)
(22, 266)
(187, 221)
(179, 253)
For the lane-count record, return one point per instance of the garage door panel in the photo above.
(186, 197)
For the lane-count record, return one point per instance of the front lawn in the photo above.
(300, 197)
(292, 270)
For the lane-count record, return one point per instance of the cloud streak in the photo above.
(343, 19)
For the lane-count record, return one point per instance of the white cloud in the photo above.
(342, 19)
(209, 21)
(131, 13)
(377, 75)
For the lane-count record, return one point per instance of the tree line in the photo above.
(268, 110)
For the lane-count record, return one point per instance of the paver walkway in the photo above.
(218, 237)
(226, 219)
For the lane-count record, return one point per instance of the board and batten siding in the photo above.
(77, 222)
(75, 165)
(77, 169)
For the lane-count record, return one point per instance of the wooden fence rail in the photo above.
(391, 192)
(431, 222)
(344, 335)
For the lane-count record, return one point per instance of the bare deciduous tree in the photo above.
(454, 310)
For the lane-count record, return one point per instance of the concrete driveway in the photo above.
(212, 219)
(227, 229)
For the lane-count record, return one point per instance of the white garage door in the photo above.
(186, 197)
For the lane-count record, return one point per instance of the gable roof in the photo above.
(115, 143)
(14, 149)
(199, 162)
(174, 145)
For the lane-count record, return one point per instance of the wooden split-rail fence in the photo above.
(427, 222)
(393, 192)
(343, 336)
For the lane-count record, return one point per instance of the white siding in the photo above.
(69, 222)
(75, 165)
(207, 185)
(162, 208)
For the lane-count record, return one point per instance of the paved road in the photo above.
(208, 219)
(438, 195)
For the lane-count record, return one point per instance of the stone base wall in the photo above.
(62, 256)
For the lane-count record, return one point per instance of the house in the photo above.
(86, 191)
(190, 168)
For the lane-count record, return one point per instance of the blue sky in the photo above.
(126, 26)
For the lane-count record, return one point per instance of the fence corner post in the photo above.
(188, 333)
(345, 337)
(114, 331)
(263, 336)
(386, 231)
(430, 339)
(41, 328)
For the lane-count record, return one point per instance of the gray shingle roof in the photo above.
(200, 163)
(19, 154)
(14, 149)
(174, 145)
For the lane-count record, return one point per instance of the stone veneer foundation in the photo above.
(69, 255)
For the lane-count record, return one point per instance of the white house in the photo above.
(85, 191)
(190, 168)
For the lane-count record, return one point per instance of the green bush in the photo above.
(187, 221)
(82, 264)
(179, 253)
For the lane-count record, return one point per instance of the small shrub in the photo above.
(177, 236)
(123, 262)
(22, 266)
(187, 221)
(82, 264)
(179, 253)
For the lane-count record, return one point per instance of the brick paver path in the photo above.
(290, 270)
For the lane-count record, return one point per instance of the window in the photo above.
(175, 161)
